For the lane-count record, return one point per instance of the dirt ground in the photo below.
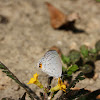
(27, 34)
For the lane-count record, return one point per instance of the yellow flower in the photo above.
(59, 86)
(35, 80)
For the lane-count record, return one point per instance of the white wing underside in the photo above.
(51, 64)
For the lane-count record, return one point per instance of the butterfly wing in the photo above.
(51, 64)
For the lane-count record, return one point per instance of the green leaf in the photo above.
(5, 71)
(65, 59)
(1, 66)
(11, 77)
(93, 51)
(72, 69)
(84, 51)
(64, 69)
(69, 73)
(74, 56)
(81, 78)
(86, 69)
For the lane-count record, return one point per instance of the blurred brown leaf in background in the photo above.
(59, 19)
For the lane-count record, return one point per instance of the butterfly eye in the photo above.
(40, 65)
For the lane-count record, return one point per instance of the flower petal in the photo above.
(32, 80)
(36, 76)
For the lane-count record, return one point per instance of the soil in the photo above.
(26, 34)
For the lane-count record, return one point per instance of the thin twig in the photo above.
(31, 94)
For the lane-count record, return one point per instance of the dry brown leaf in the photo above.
(57, 49)
(58, 18)
(98, 97)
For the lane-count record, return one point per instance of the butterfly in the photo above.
(51, 64)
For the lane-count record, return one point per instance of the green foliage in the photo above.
(84, 51)
(8, 72)
(86, 68)
(76, 80)
(74, 56)
(64, 69)
(93, 51)
(71, 69)
(92, 54)
(66, 60)
(81, 58)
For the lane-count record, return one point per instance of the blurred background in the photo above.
(26, 34)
